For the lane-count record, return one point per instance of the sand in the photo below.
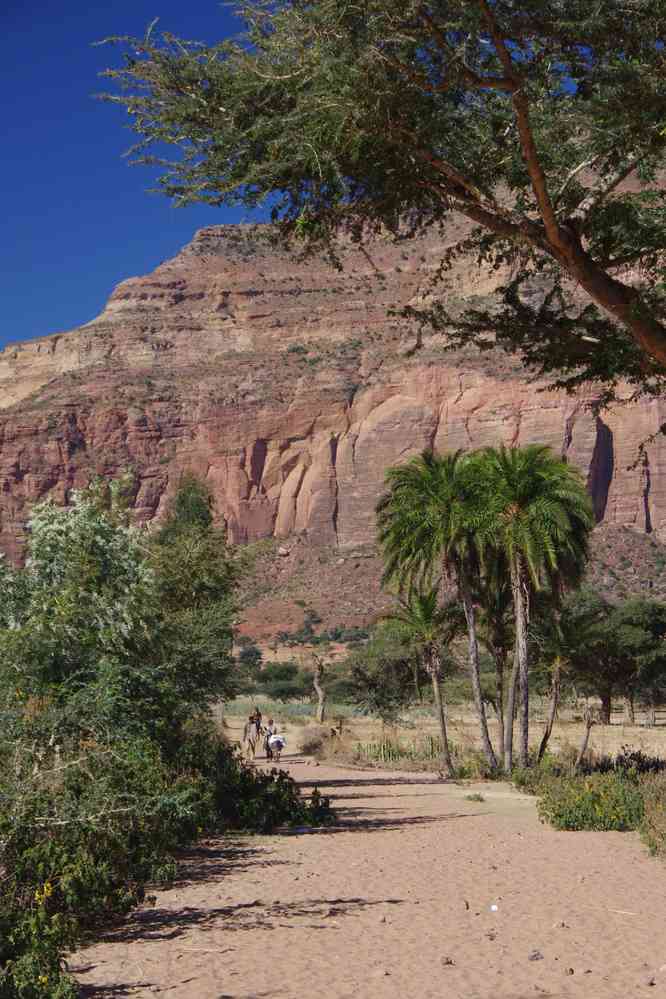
(415, 892)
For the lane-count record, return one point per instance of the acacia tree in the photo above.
(430, 518)
(615, 650)
(540, 122)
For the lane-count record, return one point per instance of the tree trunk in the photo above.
(555, 685)
(475, 672)
(521, 616)
(629, 710)
(435, 670)
(417, 685)
(511, 715)
(606, 707)
(617, 299)
(498, 656)
(317, 677)
(590, 720)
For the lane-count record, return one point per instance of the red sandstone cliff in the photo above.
(288, 387)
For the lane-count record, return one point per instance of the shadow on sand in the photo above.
(214, 861)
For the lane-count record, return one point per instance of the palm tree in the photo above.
(542, 517)
(429, 517)
(430, 628)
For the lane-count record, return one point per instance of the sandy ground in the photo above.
(415, 892)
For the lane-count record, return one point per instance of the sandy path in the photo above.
(394, 901)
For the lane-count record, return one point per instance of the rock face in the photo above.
(289, 388)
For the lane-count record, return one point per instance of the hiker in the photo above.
(257, 720)
(250, 736)
(277, 744)
(269, 730)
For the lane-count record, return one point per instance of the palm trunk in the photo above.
(511, 715)
(417, 685)
(435, 670)
(552, 711)
(475, 672)
(629, 710)
(498, 656)
(521, 614)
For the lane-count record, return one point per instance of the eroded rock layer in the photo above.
(289, 387)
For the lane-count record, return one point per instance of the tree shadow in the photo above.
(169, 924)
(111, 991)
(216, 861)
(354, 820)
(373, 782)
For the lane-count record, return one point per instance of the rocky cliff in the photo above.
(289, 388)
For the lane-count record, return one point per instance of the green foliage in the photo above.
(614, 650)
(191, 507)
(249, 659)
(539, 511)
(284, 682)
(524, 118)
(653, 825)
(108, 758)
(193, 567)
(385, 674)
(599, 801)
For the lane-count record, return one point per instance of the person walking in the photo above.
(269, 730)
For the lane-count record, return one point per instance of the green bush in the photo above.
(82, 830)
(653, 825)
(109, 761)
(599, 801)
(80, 833)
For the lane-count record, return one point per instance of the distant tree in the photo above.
(615, 651)
(382, 673)
(541, 123)
(430, 630)
(284, 682)
(318, 670)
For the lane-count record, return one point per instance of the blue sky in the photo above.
(77, 218)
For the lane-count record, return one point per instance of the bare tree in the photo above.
(317, 678)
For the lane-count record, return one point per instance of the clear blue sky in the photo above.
(77, 218)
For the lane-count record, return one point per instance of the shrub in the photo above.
(109, 761)
(313, 739)
(599, 801)
(81, 832)
(653, 825)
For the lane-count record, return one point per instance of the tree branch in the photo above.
(471, 78)
(523, 232)
(598, 195)
(574, 173)
(521, 107)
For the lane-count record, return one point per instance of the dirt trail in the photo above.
(398, 900)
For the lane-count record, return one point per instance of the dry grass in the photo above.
(305, 736)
